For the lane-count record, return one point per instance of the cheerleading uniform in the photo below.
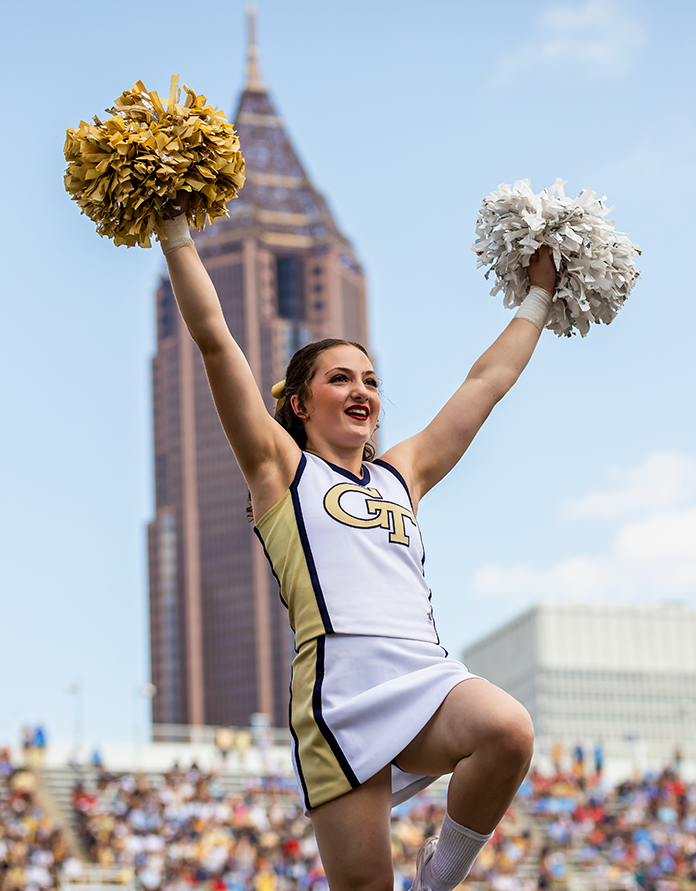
(369, 671)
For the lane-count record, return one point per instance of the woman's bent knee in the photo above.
(512, 737)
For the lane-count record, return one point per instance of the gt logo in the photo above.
(382, 513)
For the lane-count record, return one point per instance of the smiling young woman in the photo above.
(378, 710)
(340, 412)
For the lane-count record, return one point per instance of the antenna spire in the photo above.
(254, 81)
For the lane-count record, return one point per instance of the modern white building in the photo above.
(623, 677)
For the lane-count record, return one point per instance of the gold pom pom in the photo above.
(122, 172)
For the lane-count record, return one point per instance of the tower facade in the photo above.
(221, 646)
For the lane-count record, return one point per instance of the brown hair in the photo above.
(298, 379)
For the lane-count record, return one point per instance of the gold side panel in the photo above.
(322, 773)
(281, 538)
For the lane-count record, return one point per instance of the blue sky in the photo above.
(582, 484)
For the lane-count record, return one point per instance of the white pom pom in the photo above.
(595, 265)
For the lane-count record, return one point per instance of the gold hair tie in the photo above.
(278, 393)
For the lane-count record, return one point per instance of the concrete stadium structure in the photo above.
(618, 676)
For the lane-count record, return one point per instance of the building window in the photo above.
(290, 288)
(167, 309)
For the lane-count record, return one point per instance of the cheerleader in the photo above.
(378, 710)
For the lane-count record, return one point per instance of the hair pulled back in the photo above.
(298, 379)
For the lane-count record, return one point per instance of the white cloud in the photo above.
(665, 536)
(592, 39)
(663, 480)
(652, 552)
(575, 577)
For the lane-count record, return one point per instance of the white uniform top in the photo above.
(348, 554)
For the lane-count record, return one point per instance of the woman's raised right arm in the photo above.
(266, 453)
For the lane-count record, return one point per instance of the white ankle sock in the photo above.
(457, 848)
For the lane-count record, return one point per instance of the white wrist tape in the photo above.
(176, 234)
(535, 307)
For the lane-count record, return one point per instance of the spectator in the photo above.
(557, 756)
(598, 759)
(96, 760)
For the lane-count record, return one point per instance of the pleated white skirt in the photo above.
(356, 702)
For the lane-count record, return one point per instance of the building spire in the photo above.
(254, 82)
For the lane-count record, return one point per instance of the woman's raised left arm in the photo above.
(424, 459)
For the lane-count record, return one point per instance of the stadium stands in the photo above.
(188, 829)
(35, 853)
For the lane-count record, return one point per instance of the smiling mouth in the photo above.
(357, 412)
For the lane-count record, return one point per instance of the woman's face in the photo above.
(343, 408)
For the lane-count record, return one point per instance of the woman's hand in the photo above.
(178, 206)
(542, 270)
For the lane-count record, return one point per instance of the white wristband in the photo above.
(176, 234)
(535, 307)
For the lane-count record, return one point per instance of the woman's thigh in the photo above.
(353, 835)
(474, 715)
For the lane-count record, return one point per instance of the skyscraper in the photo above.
(220, 643)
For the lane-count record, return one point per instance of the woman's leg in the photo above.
(353, 835)
(484, 738)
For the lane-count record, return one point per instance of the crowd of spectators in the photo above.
(643, 830)
(34, 853)
(183, 831)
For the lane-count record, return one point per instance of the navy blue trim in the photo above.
(302, 463)
(390, 467)
(305, 791)
(270, 563)
(432, 619)
(321, 723)
(314, 577)
(298, 474)
(362, 480)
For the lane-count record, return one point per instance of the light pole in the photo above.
(147, 692)
(75, 690)
(631, 737)
(686, 711)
